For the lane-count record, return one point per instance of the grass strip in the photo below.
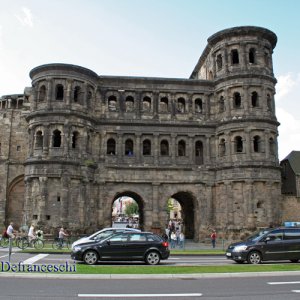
(98, 269)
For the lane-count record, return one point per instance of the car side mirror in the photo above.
(267, 239)
(108, 242)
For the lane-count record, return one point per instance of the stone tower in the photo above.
(209, 141)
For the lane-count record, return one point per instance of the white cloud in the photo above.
(26, 18)
(286, 84)
(289, 132)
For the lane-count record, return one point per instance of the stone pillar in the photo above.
(227, 103)
(246, 99)
(27, 202)
(207, 157)
(46, 142)
(50, 92)
(65, 194)
(267, 144)
(155, 209)
(230, 199)
(191, 153)
(138, 148)
(248, 143)
(173, 148)
(120, 148)
(31, 140)
(206, 106)
(43, 182)
(156, 149)
(155, 104)
(65, 140)
(209, 205)
(69, 92)
(249, 204)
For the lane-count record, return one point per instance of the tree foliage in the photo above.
(131, 209)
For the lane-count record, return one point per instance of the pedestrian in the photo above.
(181, 240)
(173, 239)
(213, 237)
(10, 231)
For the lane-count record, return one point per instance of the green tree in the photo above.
(131, 209)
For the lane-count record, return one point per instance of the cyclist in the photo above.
(10, 230)
(31, 233)
(61, 236)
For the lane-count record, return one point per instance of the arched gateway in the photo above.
(205, 141)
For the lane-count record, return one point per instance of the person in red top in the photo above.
(213, 237)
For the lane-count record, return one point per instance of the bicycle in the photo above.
(59, 243)
(36, 243)
(4, 241)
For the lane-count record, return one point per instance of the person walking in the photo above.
(173, 239)
(181, 240)
(213, 237)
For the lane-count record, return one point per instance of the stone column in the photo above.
(43, 182)
(50, 92)
(246, 99)
(46, 142)
(207, 158)
(155, 208)
(138, 148)
(248, 143)
(155, 104)
(156, 149)
(120, 148)
(65, 213)
(249, 204)
(206, 106)
(69, 93)
(191, 147)
(227, 103)
(31, 130)
(229, 208)
(173, 148)
(267, 144)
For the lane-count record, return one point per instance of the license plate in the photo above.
(228, 254)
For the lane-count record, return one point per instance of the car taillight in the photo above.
(165, 244)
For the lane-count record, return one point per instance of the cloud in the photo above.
(289, 132)
(26, 18)
(286, 84)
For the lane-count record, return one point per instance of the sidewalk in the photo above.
(191, 245)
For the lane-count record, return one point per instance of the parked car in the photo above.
(101, 234)
(271, 244)
(125, 246)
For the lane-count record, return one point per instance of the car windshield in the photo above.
(257, 235)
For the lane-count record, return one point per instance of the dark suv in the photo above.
(270, 244)
(129, 246)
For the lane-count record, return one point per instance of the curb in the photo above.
(150, 276)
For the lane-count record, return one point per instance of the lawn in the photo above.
(143, 269)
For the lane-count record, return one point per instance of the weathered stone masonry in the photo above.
(209, 141)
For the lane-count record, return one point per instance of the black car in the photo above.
(125, 246)
(270, 244)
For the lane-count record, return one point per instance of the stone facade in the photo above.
(209, 141)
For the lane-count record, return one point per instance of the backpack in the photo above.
(4, 234)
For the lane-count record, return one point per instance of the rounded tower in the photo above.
(60, 163)
(239, 62)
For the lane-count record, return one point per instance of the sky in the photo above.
(155, 38)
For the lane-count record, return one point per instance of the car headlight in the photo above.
(76, 248)
(240, 248)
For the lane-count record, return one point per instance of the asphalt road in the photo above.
(234, 288)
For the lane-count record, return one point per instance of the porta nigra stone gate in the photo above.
(75, 142)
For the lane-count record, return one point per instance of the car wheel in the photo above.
(254, 257)
(239, 261)
(152, 258)
(90, 257)
(294, 260)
